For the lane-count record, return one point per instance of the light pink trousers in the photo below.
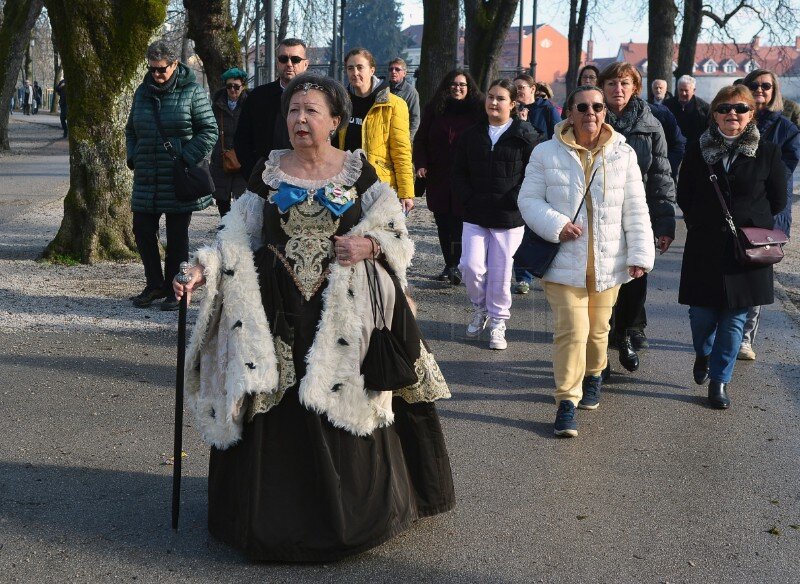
(487, 259)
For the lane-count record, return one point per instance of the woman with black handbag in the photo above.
(718, 288)
(307, 372)
(170, 126)
(583, 191)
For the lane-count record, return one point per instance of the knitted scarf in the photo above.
(625, 122)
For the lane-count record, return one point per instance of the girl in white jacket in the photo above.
(610, 243)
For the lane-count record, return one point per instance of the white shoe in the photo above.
(497, 334)
(746, 353)
(475, 328)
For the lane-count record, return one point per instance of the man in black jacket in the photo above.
(262, 128)
(690, 111)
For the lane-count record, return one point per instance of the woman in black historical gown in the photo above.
(306, 463)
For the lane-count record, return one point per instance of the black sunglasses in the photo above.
(584, 107)
(294, 58)
(161, 70)
(235, 86)
(726, 108)
(766, 86)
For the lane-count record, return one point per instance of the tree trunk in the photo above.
(57, 71)
(577, 26)
(692, 25)
(15, 33)
(487, 23)
(27, 72)
(102, 45)
(283, 23)
(439, 45)
(661, 44)
(216, 41)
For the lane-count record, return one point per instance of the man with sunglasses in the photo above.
(399, 85)
(691, 112)
(262, 128)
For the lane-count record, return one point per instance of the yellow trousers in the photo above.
(580, 338)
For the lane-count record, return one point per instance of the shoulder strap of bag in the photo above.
(375, 294)
(586, 192)
(714, 181)
(164, 141)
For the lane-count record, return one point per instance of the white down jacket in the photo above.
(549, 197)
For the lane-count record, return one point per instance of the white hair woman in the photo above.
(586, 166)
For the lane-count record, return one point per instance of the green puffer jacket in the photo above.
(190, 126)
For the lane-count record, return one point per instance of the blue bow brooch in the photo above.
(336, 199)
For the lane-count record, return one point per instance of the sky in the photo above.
(618, 24)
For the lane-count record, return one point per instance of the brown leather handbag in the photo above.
(230, 163)
(753, 247)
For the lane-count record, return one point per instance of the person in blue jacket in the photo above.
(779, 130)
(676, 141)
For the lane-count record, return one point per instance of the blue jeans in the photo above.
(522, 275)
(718, 332)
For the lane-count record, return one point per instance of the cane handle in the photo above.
(183, 277)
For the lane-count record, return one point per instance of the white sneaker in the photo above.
(475, 328)
(497, 334)
(746, 353)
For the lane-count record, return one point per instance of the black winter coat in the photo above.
(647, 139)
(755, 189)
(692, 118)
(779, 130)
(488, 179)
(227, 184)
(262, 127)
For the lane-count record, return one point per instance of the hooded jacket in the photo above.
(189, 123)
(552, 191)
(386, 140)
(487, 179)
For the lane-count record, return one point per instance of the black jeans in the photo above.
(629, 312)
(145, 229)
(449, 227)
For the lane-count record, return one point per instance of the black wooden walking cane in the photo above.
(177, 451)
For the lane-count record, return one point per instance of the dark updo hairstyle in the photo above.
(474, 95)
(334, 92)
(509, 86)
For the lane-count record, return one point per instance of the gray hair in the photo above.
(161, 50)
(686, 79)
(654, 82)
(334, 92)
(399, 61)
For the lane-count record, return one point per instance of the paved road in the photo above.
(657, 487)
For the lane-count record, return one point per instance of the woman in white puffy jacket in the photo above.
(610, 242)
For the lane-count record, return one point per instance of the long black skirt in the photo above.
(298, 489)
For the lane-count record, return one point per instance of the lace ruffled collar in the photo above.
(273, 176)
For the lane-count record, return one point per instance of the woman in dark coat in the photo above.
(169, 88)
(458, 105)
(629, 115)
(227, 104)
(775, 128)
(717, 289)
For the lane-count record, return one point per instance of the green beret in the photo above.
(234, 73)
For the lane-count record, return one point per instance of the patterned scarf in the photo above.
(625, 122)
(714, 146)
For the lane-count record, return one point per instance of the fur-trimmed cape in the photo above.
(231, 353)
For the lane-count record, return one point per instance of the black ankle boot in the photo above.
(627, 356)
(718, 396)
(700, 369)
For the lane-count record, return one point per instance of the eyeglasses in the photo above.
(588, 77)
(584, 107)
(726, 108)
(395, 69)
(283, 59)
(234, 86)
(161, 70)
(458, 85)
(766, 86)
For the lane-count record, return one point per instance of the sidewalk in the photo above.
(656, 488)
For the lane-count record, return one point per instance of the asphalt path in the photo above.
(656, 487)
